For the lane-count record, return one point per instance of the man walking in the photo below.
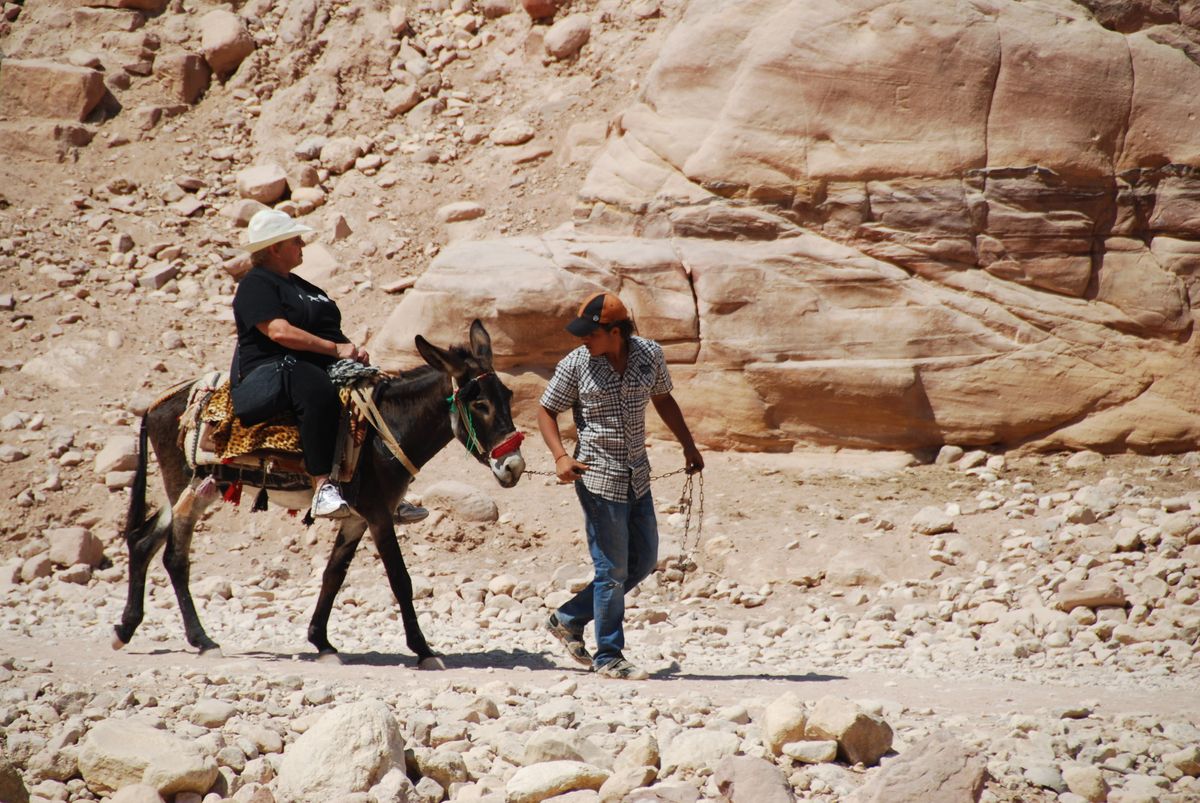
(606, 383)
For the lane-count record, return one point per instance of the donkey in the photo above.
(457, 395)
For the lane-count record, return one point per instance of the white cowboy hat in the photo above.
(270, 226)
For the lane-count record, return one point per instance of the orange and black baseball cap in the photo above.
(602, 309)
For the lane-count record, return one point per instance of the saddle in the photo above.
(213, 438)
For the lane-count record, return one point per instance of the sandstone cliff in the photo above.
(886, 224)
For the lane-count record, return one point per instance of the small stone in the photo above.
(512, 131)
(459, 211)
(1086, 781)
(932, 521)
(817, 752)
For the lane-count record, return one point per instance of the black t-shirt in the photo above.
(264, 296)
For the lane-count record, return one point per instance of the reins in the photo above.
(362, 398)
(473, 444)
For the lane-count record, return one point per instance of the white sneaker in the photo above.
(328, 503)
(407, 513)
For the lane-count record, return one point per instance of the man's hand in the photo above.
(693, 459)
(568, 469)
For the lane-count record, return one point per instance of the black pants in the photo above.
(314, 400)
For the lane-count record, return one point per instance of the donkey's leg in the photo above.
(384, 533)
(177, 559)
(143, 543)
(348, 537)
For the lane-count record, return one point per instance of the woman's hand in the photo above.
(349, 351)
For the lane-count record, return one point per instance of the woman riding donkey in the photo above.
(607, 383)
(286, 323)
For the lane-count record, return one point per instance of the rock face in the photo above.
(349, 750)
(1006, 255)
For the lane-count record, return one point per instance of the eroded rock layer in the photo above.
(890, 224)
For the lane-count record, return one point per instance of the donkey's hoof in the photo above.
(431, 663)
(117, 642)
(211, 651)
(330, 657)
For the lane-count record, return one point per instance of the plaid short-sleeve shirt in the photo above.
(610, 415)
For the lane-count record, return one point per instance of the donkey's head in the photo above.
(479, 409)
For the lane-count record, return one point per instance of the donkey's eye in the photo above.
(482, 407)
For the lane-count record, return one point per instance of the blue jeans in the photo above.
(623, 540)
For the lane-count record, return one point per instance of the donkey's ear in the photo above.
(445, 361)
(481, 342)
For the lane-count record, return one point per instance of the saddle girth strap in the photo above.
(366, 405)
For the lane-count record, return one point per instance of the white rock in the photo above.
(119, 454)
(462, 501)
(568, 35)
(224, 41)
(816, 752)
(211, 713)
(348, 750)
(697, 749)
(932, 521)
(783, 722)
(459, 211)
(117, 753)
(512, 131)
(861, 736)
(72, 545)
(537, 782)
(264, 183)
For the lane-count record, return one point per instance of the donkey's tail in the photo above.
(136, 516)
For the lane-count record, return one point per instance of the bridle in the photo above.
(462, 411)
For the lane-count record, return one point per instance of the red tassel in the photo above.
(234, 493)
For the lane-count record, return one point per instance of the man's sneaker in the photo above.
(570, 639)
(622, 670)
(410, 514)
(328, 503)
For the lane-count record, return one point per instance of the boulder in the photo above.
(43, 88)
(1086, 781)
(745, 779)
(862, 737)
(538, 782)
(932, 521)
(1092, 593)
(559, 744)
(938, 768)
(349, 749)
(540, 9)
(224, 41)
(697, 749)
(176, 773)
(264, 183)
(12, 786)
(185, 76)
(568, 35)
(400, 98)
(339, 154)
(817, 752)
(208, 712)
(622, 783)
(119, 454)
(117, 753)
(783, 721)
(72, 545)
(462, 501)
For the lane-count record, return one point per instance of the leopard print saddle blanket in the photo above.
(210, 434)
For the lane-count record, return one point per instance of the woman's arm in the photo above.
(295, 338)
